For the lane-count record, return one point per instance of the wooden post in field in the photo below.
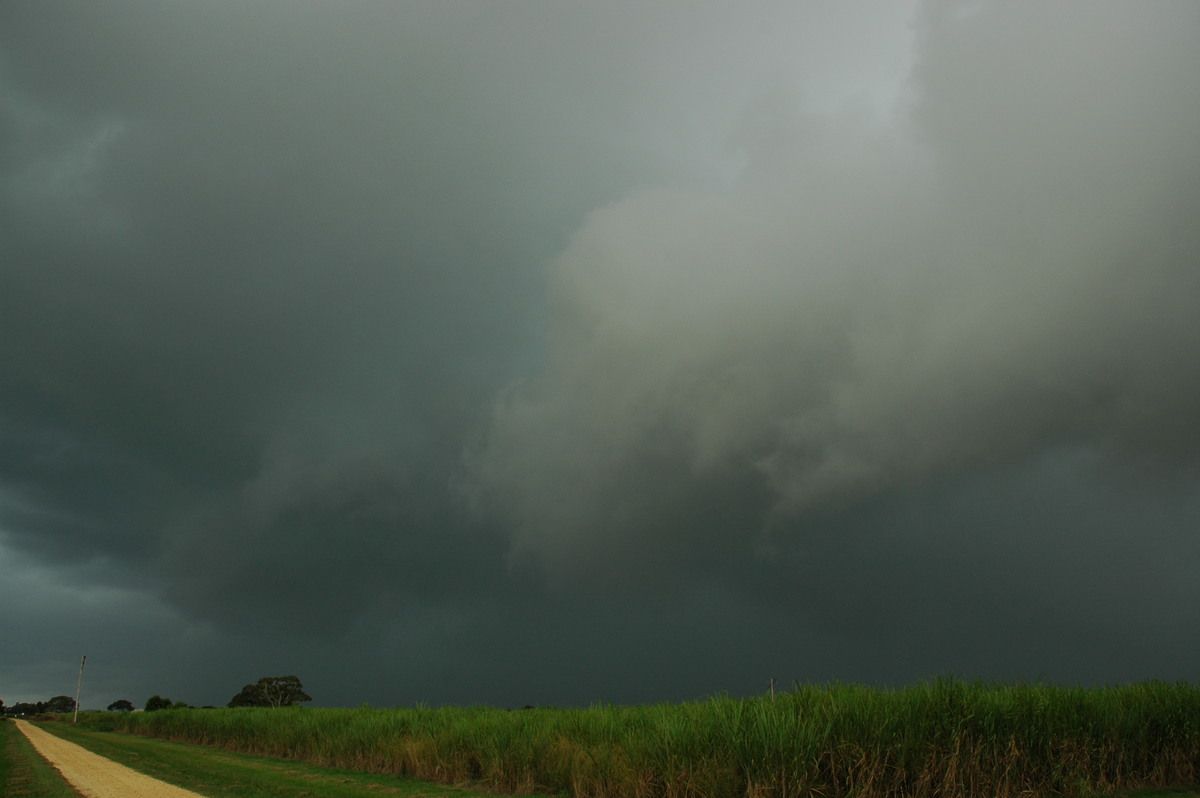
(78, 685)
(772, 688)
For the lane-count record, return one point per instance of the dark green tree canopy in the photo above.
(157, 702)
(248, 697)
(271, 691)
(121, 705)
(60, 703)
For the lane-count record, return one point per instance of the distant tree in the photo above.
(60, 703)
(271, 691)
(157, 702)
(120, 705)
(248, 697)
(23, 708)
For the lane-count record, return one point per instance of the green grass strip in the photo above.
(23, 771)
(226, 774)
(942, 739)
(1180, 793)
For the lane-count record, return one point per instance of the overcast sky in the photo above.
(537, 352)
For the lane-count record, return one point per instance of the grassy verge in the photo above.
(23, 772)
(949, 739)
(226, 774)
(1182, 792)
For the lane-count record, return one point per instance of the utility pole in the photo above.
(78, 685)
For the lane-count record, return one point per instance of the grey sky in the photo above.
(530, 352)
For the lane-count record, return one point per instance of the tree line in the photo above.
(60, 703)
(269, 691)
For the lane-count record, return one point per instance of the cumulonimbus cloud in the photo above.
(1003, 266)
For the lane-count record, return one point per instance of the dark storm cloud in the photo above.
(548, 353)
(1004, 267)
(256, 272)
(262, 265)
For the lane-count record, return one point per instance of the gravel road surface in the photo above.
(95, 776)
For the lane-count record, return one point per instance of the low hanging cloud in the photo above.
(1003, 266)
(851, 329)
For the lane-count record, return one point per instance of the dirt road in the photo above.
(95, 776)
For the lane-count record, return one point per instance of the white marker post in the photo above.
(78, 685)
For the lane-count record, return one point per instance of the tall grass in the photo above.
(944, 738)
